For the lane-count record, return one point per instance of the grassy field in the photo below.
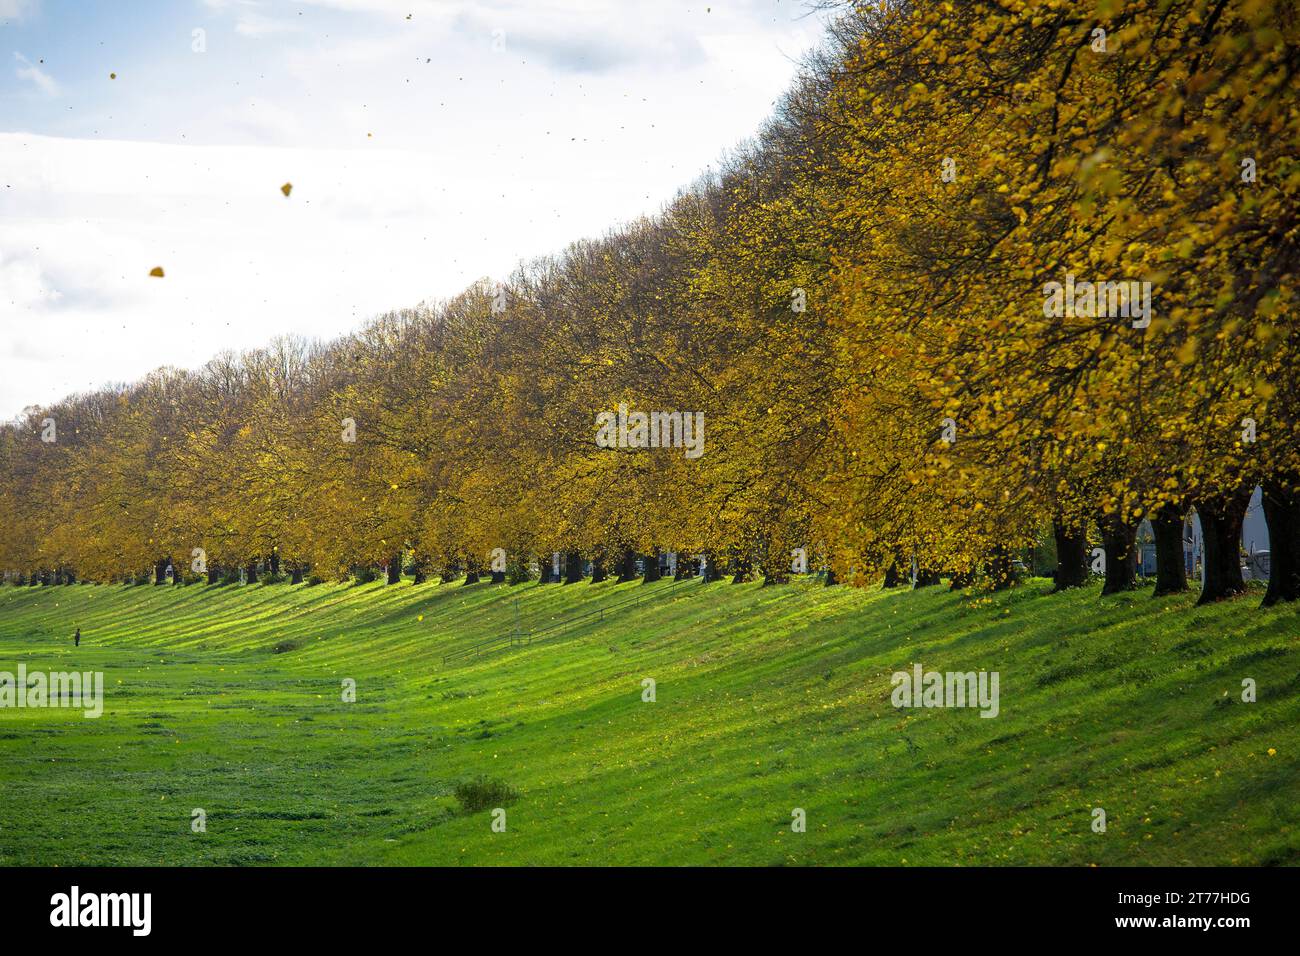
(229, 699)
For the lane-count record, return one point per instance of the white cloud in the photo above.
(256, 25)
(252, 20)
(581, 39)
(262, 121)
(22, 284)
(83, 222)
(18, 9)
(421, 159)
(27, 70)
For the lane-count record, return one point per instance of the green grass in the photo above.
(229, 699)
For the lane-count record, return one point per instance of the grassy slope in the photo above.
(768, 699)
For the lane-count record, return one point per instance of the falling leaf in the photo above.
(286, 188)
(156, 272)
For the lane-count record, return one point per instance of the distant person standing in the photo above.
(76, 638)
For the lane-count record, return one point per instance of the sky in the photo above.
(429, 143)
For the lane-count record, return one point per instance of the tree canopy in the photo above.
(990, 268)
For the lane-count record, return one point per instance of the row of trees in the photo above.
(860, 302)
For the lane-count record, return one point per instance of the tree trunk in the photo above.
(892, 578)
(450, 573)
(296, 574)
(394, 569)
(1001, 574)
(1221, 518)
(1071, 554)
(498, 577)
(471, 574)
(925, 578)
(1171, 567)
(572, 567)
(831, 580)
(1282, 512)
(741, 569)
(627, 567)
(252, 571)
(598, 569)
(214, 573)
(160, 571)
(711, 570)
(275, 562)
(651, 568)
(774, 570)
(1118, 540)
(1281, 500)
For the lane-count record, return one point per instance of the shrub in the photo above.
(365, 575)
(484, 794)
